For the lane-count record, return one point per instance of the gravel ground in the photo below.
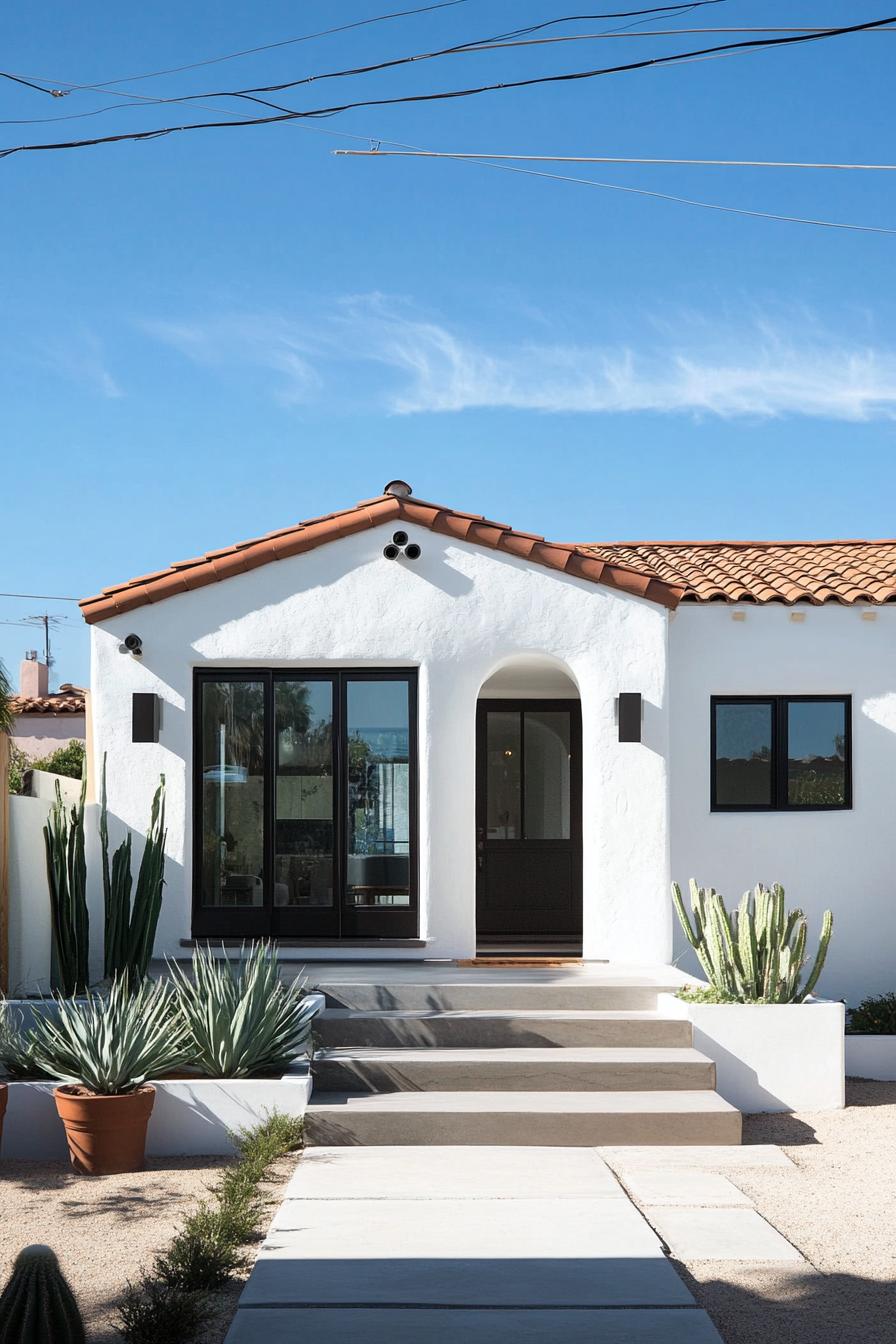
(837, 1206)
(107, 1229)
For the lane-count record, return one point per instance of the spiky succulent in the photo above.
(756, 954)
(241, 1019)
(112, 1042)
(16, 1045)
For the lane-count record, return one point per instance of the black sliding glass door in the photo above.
(305, 804)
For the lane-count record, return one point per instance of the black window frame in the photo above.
(341, 921)
(779, 705)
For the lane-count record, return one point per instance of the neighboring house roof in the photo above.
(845, 572)
(186, 575)
(67, 700)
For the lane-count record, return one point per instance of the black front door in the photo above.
(529, 819)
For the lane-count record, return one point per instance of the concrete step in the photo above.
(493, 1028)
(488, 991)
(568, 1119)
(520, 1069)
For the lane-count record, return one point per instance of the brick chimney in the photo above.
(34, 678)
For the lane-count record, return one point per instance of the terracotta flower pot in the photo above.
(106, 1135)
(4, 1093)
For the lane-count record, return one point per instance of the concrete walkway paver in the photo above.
(505, 1245)
(721, 1234)
(359, 1325)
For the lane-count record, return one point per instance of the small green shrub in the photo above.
(704, 994)
(152, 1312)
(67, 760)
(276, 1136)
(875, 1016)
(208, 1249)
(18, 764)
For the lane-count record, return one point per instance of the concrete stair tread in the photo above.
(503, 1014)
(497, 1055)
(544, 1103)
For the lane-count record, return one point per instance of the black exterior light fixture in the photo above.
(629, 716)
(399, 545)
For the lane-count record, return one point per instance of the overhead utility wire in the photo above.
(686, 200)
(66, 86)
(605, 158)
(653, 62)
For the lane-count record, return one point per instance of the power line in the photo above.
(685, 200)
(42, 597)
(686, 6)
(604, 158)
(293, 115)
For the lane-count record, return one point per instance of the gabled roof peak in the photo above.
(396, 503)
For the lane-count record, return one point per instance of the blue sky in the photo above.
(213, 335)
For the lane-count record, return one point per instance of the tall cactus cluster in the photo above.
(37, 1306)
(757, 953)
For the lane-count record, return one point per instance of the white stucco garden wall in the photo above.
(841, 860)
(458, 613)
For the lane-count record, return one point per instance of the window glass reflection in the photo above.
(378, 750)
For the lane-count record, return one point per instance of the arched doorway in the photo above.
(529, 809)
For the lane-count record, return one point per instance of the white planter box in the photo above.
(871, 1057)
(771, 1057)
(189, 1116)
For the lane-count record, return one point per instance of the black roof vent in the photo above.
(400, 489)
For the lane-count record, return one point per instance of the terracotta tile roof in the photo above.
(186, 575)
(765, 571)
(67, 700)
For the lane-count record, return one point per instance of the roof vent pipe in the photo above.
(400, 489)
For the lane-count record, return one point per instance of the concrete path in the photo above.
(422, 1245)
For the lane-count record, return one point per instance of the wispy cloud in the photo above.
(82, 359)
(756, 368)
(262, 340)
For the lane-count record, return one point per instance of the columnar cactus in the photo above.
(757, 953)
(37, 1306)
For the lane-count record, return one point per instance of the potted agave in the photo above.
(102, 1049)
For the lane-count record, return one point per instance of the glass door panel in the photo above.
(503, 768)
(304, 828)
(232, 732)
(379, 793)
(547, 755)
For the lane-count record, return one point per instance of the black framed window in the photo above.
(781, 753)
(305, 811)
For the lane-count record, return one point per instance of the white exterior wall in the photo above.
(841, 860)
(458, 613)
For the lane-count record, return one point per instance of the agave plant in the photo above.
(241, 1020)
(756, 954)
(16, 1045)
(111, 1043)
(130, 927)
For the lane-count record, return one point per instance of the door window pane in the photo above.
(816, 753)
(305, 831)
(379, 821)
(232, 793)
(743, 763)
(546, 771)
(503, 755)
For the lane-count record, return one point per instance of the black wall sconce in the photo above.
(629, 716)
(399, 545)
(145, 717)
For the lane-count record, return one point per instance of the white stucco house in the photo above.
(405, 731)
